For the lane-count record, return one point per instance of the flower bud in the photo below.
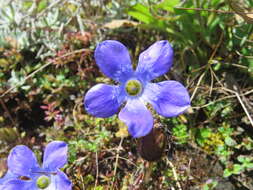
(151, 146)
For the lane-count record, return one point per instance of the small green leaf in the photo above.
(217, 66)
(205, 133)
(237, 169)
(167, 5)
(249, 165)
(141, 13)
(27, 4)
(230, 142)
(241, 158)
(42, 5)
(227, 173)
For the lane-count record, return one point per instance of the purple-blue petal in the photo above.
(8, 176)
(137, 117)
(156, 60)
(55, 155)
(102, 100)
(19, 185)
(113, 59)
(21, 161)
(60, 182)
(169, 98)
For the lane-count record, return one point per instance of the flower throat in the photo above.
(43, 182)
(133, 87)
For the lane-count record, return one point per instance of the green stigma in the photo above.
(133, 87)
(43, 182)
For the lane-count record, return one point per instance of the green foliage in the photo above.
(167, 5)
(202, 135)
(247, 143)
(92, 143)
(246, 163)
(219, 142)
(143, 14)
(180, 132)
(234, 169)
(195, 30)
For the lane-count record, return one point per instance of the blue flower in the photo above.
(168, 98)
(23, 163)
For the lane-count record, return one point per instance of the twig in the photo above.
(221, 99)
(148, 172)
(26, 78)
(211, 58)
(236, 65)
(215, 76)
(246, 56)
(122, 158)
(116, 161)
(7, 111)
(190, 82)
(82, 182)
(211, 85)
(97, 172)
(199, 81)
(242, 181)
(174, 174)
(244, 108)
(241, 102)
(117, 156)
(217, 46)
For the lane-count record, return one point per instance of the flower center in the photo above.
(133, 87)
(43, 182)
